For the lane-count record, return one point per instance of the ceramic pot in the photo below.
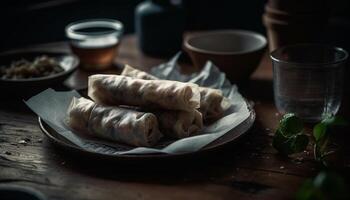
(300, 6)
(295, 21)
(281, 33)
(295, 17)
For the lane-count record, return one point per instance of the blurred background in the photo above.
(25, 22)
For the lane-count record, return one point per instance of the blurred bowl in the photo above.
(235, 52)
(11, 192)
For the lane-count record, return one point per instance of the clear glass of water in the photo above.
(308, 79)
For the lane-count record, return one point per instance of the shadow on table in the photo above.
(198, 167)
(259, 90)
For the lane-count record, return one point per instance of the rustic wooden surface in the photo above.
(248, 169)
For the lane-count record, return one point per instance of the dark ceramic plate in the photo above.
(229, 137)
(30, 86)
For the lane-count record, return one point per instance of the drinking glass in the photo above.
(308, 79)
(95, 42)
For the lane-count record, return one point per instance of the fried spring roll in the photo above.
(122, 90)
(212, 102)
(136, 73)
(176, 123)
(179, 124)
(113, 123)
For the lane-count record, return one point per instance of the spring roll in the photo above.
(113, 123)
(136, 73)
(212, 102)
(176, 123)
(122, 90)
(179, 124)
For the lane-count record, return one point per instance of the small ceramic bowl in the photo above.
(14, 88)
(9, 192)
(235, 52)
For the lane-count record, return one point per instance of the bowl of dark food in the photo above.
(25, 73)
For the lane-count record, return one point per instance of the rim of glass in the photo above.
(301, 64)
(72, 29)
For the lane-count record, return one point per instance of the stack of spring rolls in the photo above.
(138, 109)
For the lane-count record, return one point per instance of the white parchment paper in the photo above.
(51, 106)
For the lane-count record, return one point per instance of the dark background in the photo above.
(25, 22)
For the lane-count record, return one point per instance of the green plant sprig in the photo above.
(290, 138)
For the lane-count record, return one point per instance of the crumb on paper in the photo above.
(22, 142)
(298, 160)
(307, 152)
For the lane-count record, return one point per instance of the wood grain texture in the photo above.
(248, 169)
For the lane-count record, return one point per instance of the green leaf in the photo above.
(332, 185)
(288, 138)
(289, 145)
(290, 125)
(326, 185)
(334, 121)
(280, 143)
(319, 131)
(317, 153)
(300, 143)
(307, 191)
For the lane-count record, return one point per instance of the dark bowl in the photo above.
(26, 87)
(8, 192)
(235, 52)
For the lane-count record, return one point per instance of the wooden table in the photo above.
(247, 169)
